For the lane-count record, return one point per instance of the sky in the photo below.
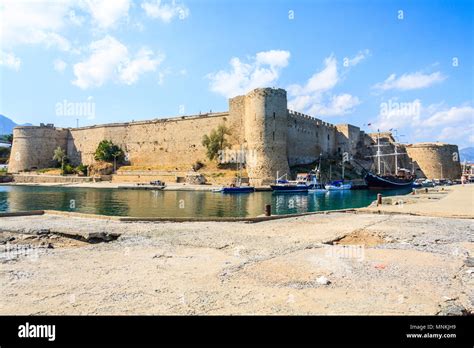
(380, 65)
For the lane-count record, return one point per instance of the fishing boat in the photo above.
(237, 187)
(304, 183)
(402, 178)
(338, 185)
(289, 186)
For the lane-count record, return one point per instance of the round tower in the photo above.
(265, 132)
(33, 147)
(436, 160)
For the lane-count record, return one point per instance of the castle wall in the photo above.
(308, 138)
(33, 147)
(436, 160)
(274, 137)
(172, 142)
(349, 139)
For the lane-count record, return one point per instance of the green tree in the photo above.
(60, 157)
(216, 141)
(7, 137)
(109, 152)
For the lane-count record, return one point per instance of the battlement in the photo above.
(259, 121)
(155, 121)
(266, 92)
(300, 116)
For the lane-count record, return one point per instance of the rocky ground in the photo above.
(338, 263)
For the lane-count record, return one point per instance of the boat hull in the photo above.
(344, 187)
(377, 182)
(247, 189)
(288, 188)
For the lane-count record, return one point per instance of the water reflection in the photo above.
(176, 203)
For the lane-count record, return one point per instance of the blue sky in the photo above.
(405, 65)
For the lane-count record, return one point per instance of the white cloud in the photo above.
(339, 105)
(110, 60)
(321, 81)
(107, 13)
(9, 60)
(451, 116)
(165, 11)
(359, 57)
(395, 114)
(144, 61)
(59, 65)
(454, 134)
(315, 97)
(410, 81)
(34, 22)
(433, 122)
(261, 71)
(43, 22)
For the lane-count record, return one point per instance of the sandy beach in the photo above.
(415, 257)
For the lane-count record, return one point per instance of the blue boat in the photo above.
(237, 189)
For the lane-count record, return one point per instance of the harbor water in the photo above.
(145, 203)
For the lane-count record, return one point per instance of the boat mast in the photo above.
(396, 159)
(240, 160)
(378, 153)
(343, 169)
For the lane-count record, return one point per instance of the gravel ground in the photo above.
(338, 263)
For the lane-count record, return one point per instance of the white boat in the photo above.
(305, 182)
(338, 186)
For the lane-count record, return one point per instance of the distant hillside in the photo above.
(7, 125)
(467, 154)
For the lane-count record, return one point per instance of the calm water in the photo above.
(176, 203)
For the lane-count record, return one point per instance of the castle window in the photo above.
(273, 135)
(328, 136)
(273, 115)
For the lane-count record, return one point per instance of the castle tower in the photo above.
(33, 147)
(265, 134)
(436, 160)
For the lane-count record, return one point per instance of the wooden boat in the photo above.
(402, 178)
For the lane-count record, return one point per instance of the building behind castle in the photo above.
(259, 122)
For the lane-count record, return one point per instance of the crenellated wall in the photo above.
(274, 138)
(174, 142)
(308, 138)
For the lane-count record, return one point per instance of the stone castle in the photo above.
(259, 122)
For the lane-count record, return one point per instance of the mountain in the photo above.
(7, 125)
(467, 154)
